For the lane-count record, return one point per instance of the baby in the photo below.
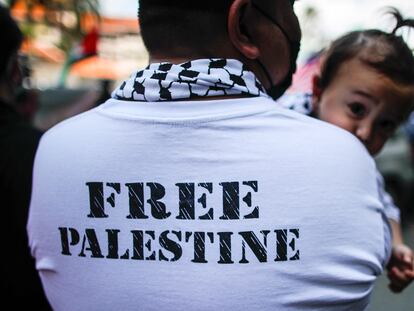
(366, 87)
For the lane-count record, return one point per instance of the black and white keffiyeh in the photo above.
(190, 80)
(299, 102)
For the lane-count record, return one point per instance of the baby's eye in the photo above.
(358, 109)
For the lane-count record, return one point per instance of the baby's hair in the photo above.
(385, 52)
(401, 22)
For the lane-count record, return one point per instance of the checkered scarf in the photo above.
(190, 80)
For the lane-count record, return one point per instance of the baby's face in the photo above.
(365, 103)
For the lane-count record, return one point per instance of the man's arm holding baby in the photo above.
(401, 264)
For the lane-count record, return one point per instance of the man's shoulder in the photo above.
(319, 132)
(71, 126)
(313, 138)
(333, 139)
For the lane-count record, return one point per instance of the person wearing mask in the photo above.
(18, 144)
(190, 189)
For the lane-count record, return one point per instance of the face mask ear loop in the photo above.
(275, 91)
(268, 77)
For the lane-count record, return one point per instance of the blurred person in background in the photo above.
(18, 144)
(27, 98)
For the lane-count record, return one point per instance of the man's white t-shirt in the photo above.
(205, 205)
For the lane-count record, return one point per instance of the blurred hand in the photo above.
(400, 268)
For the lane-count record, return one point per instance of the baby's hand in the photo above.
(400, 268)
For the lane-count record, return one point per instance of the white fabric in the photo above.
(299, 102)
(302, 103)
(335, 238)
(189, 80)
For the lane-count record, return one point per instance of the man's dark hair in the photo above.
(10, 37)
(182, 25)
(385, 52)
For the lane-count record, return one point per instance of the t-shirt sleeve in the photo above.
(390, 209)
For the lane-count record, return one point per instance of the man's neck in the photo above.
(180, 58)
(175, 61)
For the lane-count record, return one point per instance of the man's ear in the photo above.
(316, 91)
(239, 22)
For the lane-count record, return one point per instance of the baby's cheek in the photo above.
(344, 123)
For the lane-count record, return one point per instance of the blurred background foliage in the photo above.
(72, 18)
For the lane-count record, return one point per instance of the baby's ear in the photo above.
(316, 91)
(316, 85)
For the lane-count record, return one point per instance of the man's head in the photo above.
(259, 33)
(11, 39)
(184, 26)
